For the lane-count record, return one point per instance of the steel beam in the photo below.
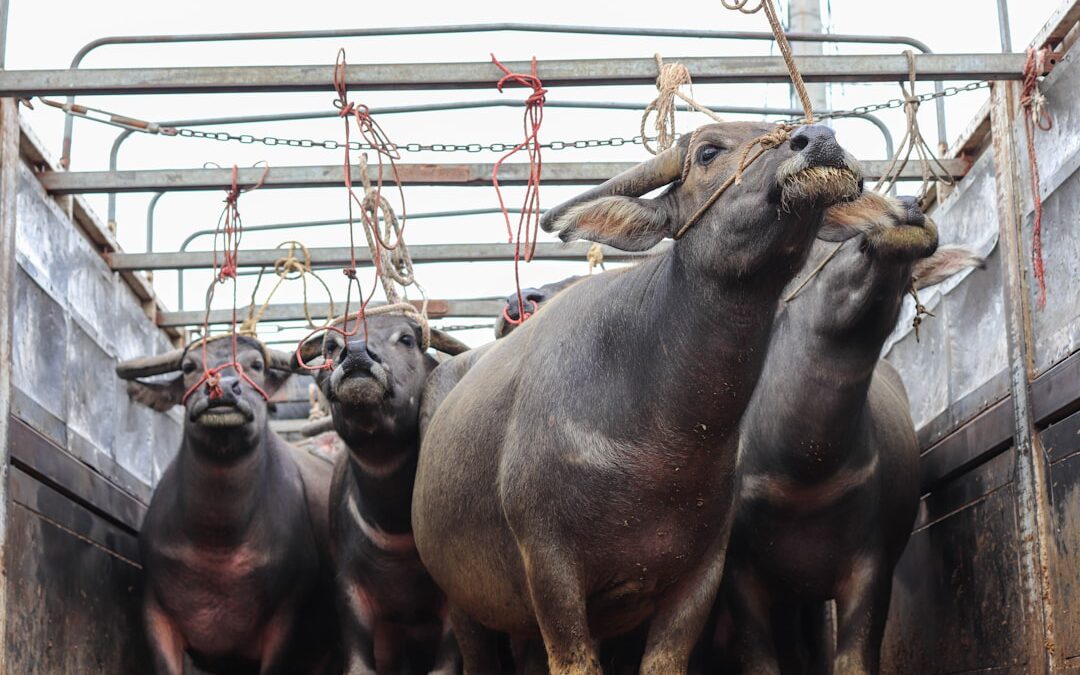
(437, 309)
(340, 256)
(1032, 481)
(565, 173)
(9, 178)
(483, 75)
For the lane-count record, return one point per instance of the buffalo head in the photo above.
(769, 210)
(376, 376)
(231, 415)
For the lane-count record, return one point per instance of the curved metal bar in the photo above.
(849, 38)
(286, 226)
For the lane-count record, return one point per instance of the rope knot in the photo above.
(532, 80)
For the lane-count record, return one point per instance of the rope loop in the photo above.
(741, 5)
(669, 83)
(1036, 117)
(529, 218)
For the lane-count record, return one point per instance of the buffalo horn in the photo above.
(280, 360)
(447, 344)
(317, 426)
(645, 177)
(150, 365)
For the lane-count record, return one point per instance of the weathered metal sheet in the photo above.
(956, 604)
(39, 332)
(1062, 443)
(74, 588)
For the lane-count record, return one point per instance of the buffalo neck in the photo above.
(219, 499)
(383, 490)
(815, 383)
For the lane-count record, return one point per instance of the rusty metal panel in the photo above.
(1062, 444)
(956, 604)
(73, 588)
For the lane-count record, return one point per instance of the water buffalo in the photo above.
(828, 454)
(587, 490)
(235, 542)
(394, 616)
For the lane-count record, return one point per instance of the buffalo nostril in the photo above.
(236, 389)
(799, 142)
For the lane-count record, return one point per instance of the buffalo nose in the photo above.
(231, 384)
(358, 355)
(818, 144)
(531, 296)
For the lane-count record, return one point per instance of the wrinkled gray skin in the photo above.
(235, 542)
(588, 489)
(394, 617)
(829, 460)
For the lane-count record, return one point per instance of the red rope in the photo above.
(529, 220)
(1036, 116)
(384, 148)
(229, 229)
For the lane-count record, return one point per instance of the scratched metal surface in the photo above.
(74, 319)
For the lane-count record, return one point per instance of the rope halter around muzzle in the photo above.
(211, 377)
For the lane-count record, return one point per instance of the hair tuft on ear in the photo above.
(627, 223)
(945, 262)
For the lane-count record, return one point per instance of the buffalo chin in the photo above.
(820, 185)
(360, 391)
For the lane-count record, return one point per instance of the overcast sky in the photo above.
(47, 34)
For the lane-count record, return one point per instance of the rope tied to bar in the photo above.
(229, 231)
(387, 246)
(669, 85)
(913, 142)
(529, 218)
(286, 268)
(1036, 116)
(595, 257)
(782, 43)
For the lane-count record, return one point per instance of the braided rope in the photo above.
(669, 85)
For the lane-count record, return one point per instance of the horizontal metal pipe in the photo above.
(437, 309)
(339, 255)
(555, 73)
(555, 173)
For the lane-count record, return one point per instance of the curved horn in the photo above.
(150, 365)
(310, 349)
(280, 360)
(645, 177)
(447, 344)
(316, 427)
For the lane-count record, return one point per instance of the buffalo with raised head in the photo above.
(587, 490)
(235, 541)
(829, 480)
(393, 614)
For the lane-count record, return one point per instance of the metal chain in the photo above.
(899, 102)
(614, 141)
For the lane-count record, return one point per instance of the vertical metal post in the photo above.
(1032, 484)
(9, 163)
(1003, 26)
(804, 16)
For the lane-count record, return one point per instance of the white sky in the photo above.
(47, 34)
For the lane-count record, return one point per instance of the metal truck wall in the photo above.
(957, 604)
(84, 457)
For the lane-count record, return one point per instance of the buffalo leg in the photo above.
(817, 629)
(751, 607)
(166, 643)
(277, 648)
(862, 607)
(559, 607)
(447, 658)
(681, 617)
(479, 645)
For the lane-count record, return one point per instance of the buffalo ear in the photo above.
(942, 264)
(274, 380)
(310, 350)
(870, 211)
(627, 223)
(160, 396)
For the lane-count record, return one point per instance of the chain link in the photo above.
(613, 142)
(248, 139)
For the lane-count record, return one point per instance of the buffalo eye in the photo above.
(330, 347)
(257, 365)
(707, 153)
(407, 340)
(188, 367)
